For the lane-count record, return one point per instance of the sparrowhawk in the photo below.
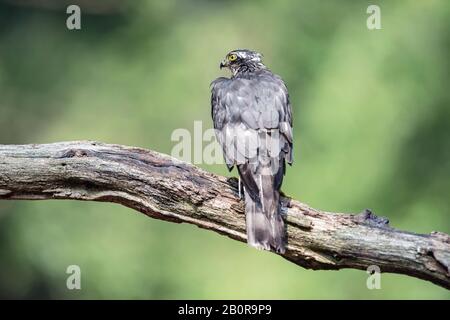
(252, 119)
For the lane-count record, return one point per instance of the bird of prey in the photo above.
(252, 119)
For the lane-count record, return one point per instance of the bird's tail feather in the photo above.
(265, 225)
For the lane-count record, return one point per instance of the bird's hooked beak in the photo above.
(223, 64)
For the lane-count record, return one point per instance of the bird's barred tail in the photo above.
(265, 225)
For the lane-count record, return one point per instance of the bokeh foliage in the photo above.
(371, 109)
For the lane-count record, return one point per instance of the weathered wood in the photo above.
(167, 189)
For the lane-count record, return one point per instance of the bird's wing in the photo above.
(275, 115)
(222, 118)
(251, 115)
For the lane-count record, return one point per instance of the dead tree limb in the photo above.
(167, 189)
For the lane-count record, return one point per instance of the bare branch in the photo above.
(167, 189)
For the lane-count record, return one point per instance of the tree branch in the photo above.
(167, 189)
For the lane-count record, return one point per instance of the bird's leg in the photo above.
(239, 187)
(261, 194)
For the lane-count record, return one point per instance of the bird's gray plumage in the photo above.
(253, 121)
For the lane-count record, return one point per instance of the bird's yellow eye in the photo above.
(232, 57)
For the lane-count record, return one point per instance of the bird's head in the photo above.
(242, 60)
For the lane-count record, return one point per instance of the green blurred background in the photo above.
(371, 119)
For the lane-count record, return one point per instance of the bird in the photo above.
(252, 118)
